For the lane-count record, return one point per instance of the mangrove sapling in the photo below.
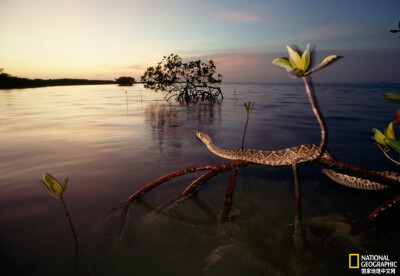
(249, 107)
(56, 190)
(226, 210)
(126, 97)
(297, 67)
(387, 140)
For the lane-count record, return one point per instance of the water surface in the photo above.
(111, 141)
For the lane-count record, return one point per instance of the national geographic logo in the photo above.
(354, 260)
(372, 264)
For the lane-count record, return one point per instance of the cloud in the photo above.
(106, 71)
(326, 31)
(238, 17)
(138, 66)
(255, 65)
(243, 65)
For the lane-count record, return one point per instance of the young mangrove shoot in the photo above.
(249, 107)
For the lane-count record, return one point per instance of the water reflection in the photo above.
(109, 143)
(171, 125)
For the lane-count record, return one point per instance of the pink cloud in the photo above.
(239, 17)
(235, 61)
(326, 31)
(248, 65)
(338, 26)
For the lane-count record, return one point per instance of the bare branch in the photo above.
(387, 155)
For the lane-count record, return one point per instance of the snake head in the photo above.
(203, 137)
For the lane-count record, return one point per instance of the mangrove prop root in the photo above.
(195, 185)
(221, 168)
(168, 177)
(297, 194)
(297, 233)
(228, 198)
(348, 169)
(383, 207)
(138, 194)
(123, 207)
(214, 171)
(191, 189)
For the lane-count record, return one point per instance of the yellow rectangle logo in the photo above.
(354, 260)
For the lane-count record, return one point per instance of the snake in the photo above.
(299, 154)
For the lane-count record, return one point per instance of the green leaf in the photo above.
(389, 131)
(392, 97)
(325, 62)
(379, 137)
(305, 58)
(65, 181)
(53, 184)
(283, 63)
(394, 144)
(47, 179)
(294, 58)
(49, 190)
(249, 106)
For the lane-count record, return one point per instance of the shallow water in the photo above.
(110, 141)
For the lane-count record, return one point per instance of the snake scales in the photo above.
(299, 154)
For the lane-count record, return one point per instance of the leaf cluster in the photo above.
(186, 81)
(387, 138)
(297, 65)
(53, 186)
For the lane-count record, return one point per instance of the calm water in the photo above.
(111, 143)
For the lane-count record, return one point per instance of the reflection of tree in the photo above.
(172, 125)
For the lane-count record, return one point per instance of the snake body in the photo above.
(299, 154)
(284, 157)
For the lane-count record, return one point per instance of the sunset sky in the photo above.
(100, 39)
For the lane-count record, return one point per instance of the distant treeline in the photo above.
(7, 81)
